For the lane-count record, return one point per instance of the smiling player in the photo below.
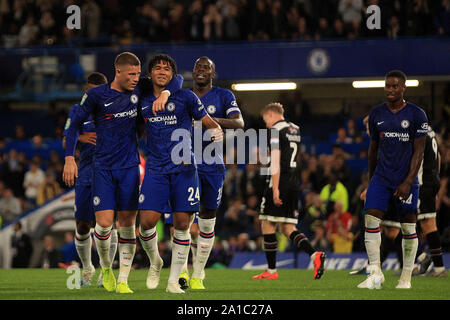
(170, 185)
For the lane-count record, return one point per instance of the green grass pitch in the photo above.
(222, 284)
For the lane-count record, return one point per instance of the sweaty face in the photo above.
(161, 73)
(203, 72)
(394, 89)
(128, 76)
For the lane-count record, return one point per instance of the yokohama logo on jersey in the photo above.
(402, 136)
(130, 114)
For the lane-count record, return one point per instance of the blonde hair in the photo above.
(275, 107)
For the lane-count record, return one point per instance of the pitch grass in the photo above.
(222, 284)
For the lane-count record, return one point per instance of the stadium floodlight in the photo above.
(263, 86)
(380, 83)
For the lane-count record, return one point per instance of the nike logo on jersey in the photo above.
(193, 204)
(381, 122)
(143, 108)
(107, 104)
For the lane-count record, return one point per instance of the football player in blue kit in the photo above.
(222, 107)
(171, 180)
(84, 209)
(116, 174)
(398, 131)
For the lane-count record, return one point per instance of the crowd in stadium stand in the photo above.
(43, 22)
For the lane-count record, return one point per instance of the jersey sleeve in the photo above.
(421, 124)
(195, 106)
(230, 103)
(80, 115)
(69, 119)
(374, 135)
(175, 84)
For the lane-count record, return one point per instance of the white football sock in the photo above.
(372, 239)
(410, 242)
(113, 245)
(180, 252)
(204, 245)
(83, 244)
(149, 241)
(102, 238)
(127, 249)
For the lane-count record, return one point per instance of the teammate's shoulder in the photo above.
(186, 93)
(98, 89)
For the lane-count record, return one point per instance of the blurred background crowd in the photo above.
(43, 22)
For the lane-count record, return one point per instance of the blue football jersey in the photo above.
(114, 114)
(395, 133)
(219, 103)
(164, 154)
(87, 150)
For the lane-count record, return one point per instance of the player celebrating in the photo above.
(280, 201)
(84, 209)
(221, 105)
(397, 141)
(116, 174)
(170, 183)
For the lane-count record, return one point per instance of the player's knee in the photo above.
(148, 219)
(391, 232)
(83, 227)
(428, 225)
(374, 213)
(194, 233)
(181, 225)
(206, 213)
(287, 229)
(127, 218)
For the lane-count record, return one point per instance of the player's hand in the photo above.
(403, 191)
(88, 137)
(276, 198)
(160, 104)
(216, 134)
(70, 171)
(363, 195)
